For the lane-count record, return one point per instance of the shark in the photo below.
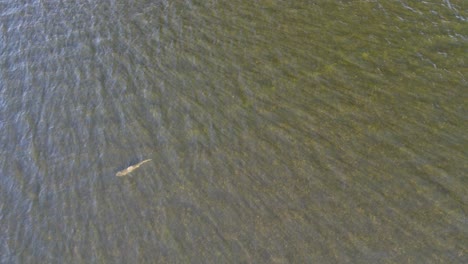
(130, 169)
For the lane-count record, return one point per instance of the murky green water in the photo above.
(279, 132)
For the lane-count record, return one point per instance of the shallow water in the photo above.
(306, 132)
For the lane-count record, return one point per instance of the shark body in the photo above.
(130, 169)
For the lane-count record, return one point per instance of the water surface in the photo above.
(305, 132)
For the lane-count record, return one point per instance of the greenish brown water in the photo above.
(305, 132)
